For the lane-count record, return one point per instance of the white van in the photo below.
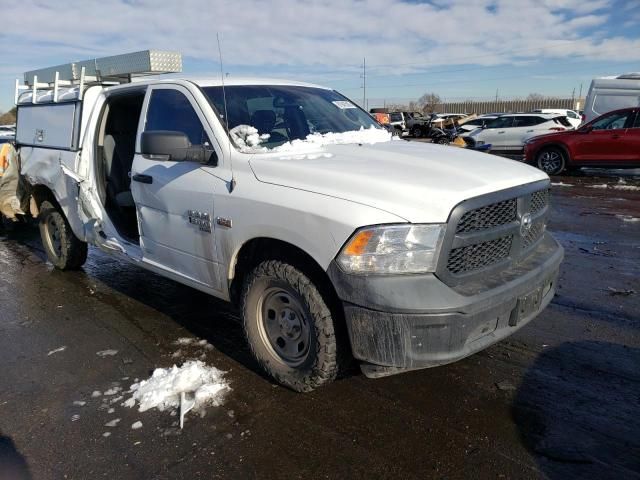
(611, 93)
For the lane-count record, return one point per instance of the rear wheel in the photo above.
(64, 250)
(289, 326)
(551, 160)
(443, 141)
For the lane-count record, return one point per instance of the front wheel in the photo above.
(64, 249)
(551, 160)
(289, 326)
(443, 141)
(416, 132)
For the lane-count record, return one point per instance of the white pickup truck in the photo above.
(333, 239)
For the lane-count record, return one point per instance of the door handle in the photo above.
(138, 177)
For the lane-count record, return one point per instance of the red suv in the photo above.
(611, 140)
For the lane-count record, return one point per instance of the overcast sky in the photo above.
(456, 48)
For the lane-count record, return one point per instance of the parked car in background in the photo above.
(508, 132)
(478, 122)
(611, 93)
(399, 120)
(381, 115)
(611, 140)
(7, 133)
(447, 116)
(574, 117)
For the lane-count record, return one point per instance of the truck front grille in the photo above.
(533, 235)
(495, 231)
(486, 217)
(539, 200)
(479, 255)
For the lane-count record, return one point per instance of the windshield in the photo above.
(284, 113)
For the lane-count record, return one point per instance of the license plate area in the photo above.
(525, 306)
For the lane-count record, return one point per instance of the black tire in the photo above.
(64, 250)
(315, 361)
(551, 160)
(443, 141)
(416, 132)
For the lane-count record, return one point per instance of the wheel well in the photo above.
(260, 249)
(40, 193)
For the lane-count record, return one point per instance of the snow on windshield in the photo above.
(249, 140)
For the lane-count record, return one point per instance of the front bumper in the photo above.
(416, 321)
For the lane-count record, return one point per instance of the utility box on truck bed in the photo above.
(332, 237)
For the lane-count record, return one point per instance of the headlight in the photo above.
(393, 249)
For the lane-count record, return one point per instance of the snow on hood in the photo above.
(416, 181)
(248, 140)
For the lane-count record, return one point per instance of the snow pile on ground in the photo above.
(206, 385)
(249, 140)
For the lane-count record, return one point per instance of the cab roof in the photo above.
(231, 81)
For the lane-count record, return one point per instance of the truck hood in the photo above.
(418, 182)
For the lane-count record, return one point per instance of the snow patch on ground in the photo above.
(626, 187)
(61, 349)
(107, 353)
(96, 394)
(628, 218)
(248, 140)
(79, 403)
(112, 423)
(561, 184)
(621, 185)
(206, 385)
(136, 425)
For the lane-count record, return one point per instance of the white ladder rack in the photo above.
(112, 70)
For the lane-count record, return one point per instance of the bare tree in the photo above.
(429, 101)
(536, 97)
(8, 117)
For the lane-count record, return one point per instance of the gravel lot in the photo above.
(560, 399)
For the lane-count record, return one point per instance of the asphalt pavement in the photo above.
(559, 399)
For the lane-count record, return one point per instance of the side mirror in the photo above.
(175, 146)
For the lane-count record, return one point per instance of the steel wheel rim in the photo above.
(284, 326)
(550, 161)
(53, 236)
